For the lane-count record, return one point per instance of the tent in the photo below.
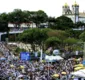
(80, 73)
(52, 58)
(56, 51)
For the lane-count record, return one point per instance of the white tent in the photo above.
(80, 73)
(53, 58)
(56, 51)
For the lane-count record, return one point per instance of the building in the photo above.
(15, 29)
(73, 13)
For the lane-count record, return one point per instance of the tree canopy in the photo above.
(64, 23)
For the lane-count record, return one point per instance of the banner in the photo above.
(25, 56)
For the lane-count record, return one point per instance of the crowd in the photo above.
(12, 68)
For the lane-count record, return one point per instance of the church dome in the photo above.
(65, 5)
(75, 4)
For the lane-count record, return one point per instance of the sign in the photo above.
(83, 62)
(24, 56)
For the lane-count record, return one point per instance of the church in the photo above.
(73, 13)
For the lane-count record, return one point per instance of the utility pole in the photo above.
(84, 52)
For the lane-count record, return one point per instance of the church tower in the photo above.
(75, 8)
(75, 11)
(65, 8)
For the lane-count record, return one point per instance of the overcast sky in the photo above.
(51, 7)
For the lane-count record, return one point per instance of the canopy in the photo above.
(79, 65)
(56, 51)
(22, 67)
(63, 73)
(78, 68)
(20, 76)
(52, 58)
(80, 73)
(55, 75)
(11, 65)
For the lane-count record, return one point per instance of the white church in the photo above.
(73, 13)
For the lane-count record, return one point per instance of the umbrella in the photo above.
(55, 75)
(79, 65)
(80, 73)
(63, 73)
(12, 66)
(22, 67)
(78, 68)
(20, 76)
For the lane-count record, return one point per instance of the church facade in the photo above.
(73, 13)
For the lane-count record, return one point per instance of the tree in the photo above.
(38, 17)
(33, 36)
(52, 42)
(52, 22)
(74, 33)
(82, 36)
(58, 33)
(4, 22)
(4, 26)
(26, 16)
(70, 43)
(79, 24)
(16, 17)
(64, 23)
(4, 17)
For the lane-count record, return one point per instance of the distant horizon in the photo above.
(52, 8)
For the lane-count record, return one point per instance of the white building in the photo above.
(22, 26)
(74, 14)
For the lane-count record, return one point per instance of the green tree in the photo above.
(4, 26)
(82, 36)
(33, 36)
(70, 43)
(26, 16)
(74, 33)
(16, 17)
(79, 24)
(38, 17)
(4, 22)
(64, 23)
(4, 17)
(52, 22)
(52, 42)
(61, 34)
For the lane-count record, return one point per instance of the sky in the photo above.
(52, 8)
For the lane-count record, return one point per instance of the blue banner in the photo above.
(25, 56)
(83, 62)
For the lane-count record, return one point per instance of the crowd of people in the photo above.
(12, 68)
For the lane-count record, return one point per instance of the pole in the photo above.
(48, 70)
(41, 56)
(84, 52)
(75, 15)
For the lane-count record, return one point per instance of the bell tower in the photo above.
(65, 8)
(75, 8)
(75, 11)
